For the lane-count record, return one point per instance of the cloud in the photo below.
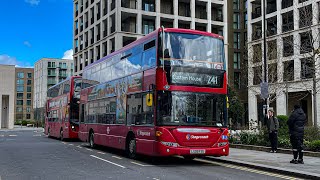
(32, 2)
(8, 60)
(27, 43)
(68, 54)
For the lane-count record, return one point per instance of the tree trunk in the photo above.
(314, 92)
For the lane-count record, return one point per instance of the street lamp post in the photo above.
(265, 54)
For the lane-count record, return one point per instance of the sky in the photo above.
(34, 29)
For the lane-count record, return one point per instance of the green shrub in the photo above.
(284, 142)
(314, 145)
(311, 133)
(283, 127)
(24, 122)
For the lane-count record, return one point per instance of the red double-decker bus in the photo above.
(162, 95)
(62, 111)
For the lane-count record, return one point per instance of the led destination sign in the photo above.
(198, 78)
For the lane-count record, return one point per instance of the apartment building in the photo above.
(103, 26)
(24, 94)
(7, 96)
(292, 51)
(48, 72)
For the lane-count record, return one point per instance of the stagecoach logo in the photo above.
(143, 133)
(188, 137)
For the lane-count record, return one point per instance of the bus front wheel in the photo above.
(91, 140)
(132, 148)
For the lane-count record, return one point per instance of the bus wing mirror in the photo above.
(149, 100)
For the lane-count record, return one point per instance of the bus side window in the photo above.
(149, 55)
(82, 113)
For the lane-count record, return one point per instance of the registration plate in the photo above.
(197, 151)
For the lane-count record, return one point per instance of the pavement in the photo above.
(22, 128)
(31, 155)
(274, 162)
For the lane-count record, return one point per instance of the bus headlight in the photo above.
(222, 144)
(171, 144)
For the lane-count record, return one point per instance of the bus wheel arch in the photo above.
(91, 138)
(131, 145)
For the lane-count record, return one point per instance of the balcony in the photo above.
(81, 46)
(77, 13)
(86, 44)
(81, 9)
(51, 67)
(76, 49)
(98, 16)
(87, 4)
(105, 11)
(86, 24)
(76, 31)
(98, 37)
(92, 41)
(91, 20)
(81, 28)
(63, 67)
(105, 33)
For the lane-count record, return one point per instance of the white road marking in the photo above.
(143, 165)
(1, 135)
(116, 157)
(89, 149)
(64, 143)
(101, 152)
(79, 147)
(70, 144)
(12, 135)
(155, 178)
(108, 161)
(37, 135)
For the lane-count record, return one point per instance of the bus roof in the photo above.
(67, 79)
(152, 35)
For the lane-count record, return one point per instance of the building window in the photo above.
(29, 89)
(28, 102)
(19, 109)
(236, 4)
(236, 40)
(19, 102)
(19, 95)
(20, 81)
(288, 46)
(148, 26)
(272, 50)
(148, 5)
(20, 75)
(237, 80)
(287, 21)
(28, 116)
(306, 68)
(257, 53)
(236, 60)
(257, 73)
(29, 82)
(236, 21)
(20, 88)
(286, 3)
(28, 109)
(305, 14)
(305, 42)
(288, 71)
(272, 73)
(29, 75)
(28, 95)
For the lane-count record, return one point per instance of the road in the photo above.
(31, 155)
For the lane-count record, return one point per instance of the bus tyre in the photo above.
(91, 140)
(61, 135)
(132, 148)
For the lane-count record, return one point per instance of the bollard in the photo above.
(21, 125)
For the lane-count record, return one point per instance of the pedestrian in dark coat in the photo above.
(273, 126)
(296, 123)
